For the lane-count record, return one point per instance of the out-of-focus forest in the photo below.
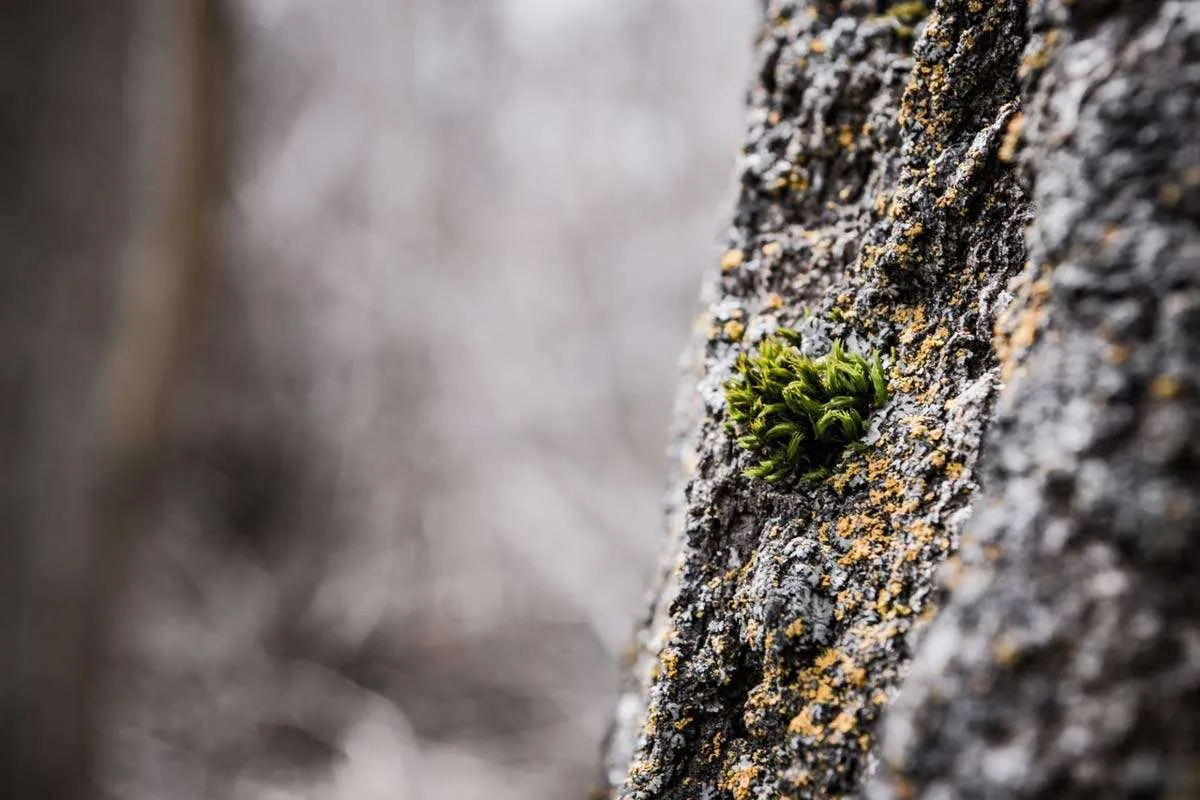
(406, 497)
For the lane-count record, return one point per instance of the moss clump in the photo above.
(798, 414)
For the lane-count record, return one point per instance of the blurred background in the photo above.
(406, 498)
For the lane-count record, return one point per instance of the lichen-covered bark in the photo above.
(1066, 663)
(1003, 196)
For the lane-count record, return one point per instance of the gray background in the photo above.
(464, 246)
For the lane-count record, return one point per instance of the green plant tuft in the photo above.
(799, 413)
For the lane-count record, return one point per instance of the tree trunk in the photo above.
(998, 597)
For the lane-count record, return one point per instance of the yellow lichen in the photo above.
(1012, 138)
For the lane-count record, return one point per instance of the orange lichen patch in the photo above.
(846, 137)
(802, 725)
(845, 475)
(879, 497)
(733, 330)
(861, 550)
(916, 426)
(1018, 325)
(1013, 132)
(847, 603)
(889, 606)
(921, 531)
(824, 694)
(933, 392)
(870, 535)
(732, 260)
(827, 659)
(833, 679)
(669, 662)
(1039, 58)
(795, 630)
(930, 344)
(948, 198)
(765, 694)
(913, 320)
(817, 46)
(879, 635)
(856, 676)
(739, 781)
(644, 768)
(774, 301)
(1165, 387)
(845, 721)
(878, 466)
(772, 249)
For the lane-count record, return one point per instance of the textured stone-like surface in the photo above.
(889, 184)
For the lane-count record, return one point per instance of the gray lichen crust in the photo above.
(887, 196)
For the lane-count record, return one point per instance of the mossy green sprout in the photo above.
(798, 414)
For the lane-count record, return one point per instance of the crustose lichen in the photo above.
(798, 414)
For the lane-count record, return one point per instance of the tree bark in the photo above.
(998, 598)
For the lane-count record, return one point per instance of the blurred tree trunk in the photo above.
(1001, 597)
(104, 210)
(62, 223)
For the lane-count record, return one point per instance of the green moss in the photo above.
(798, 414)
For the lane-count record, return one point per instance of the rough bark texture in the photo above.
(998, 598)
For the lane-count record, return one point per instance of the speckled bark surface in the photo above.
(1003, 197)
